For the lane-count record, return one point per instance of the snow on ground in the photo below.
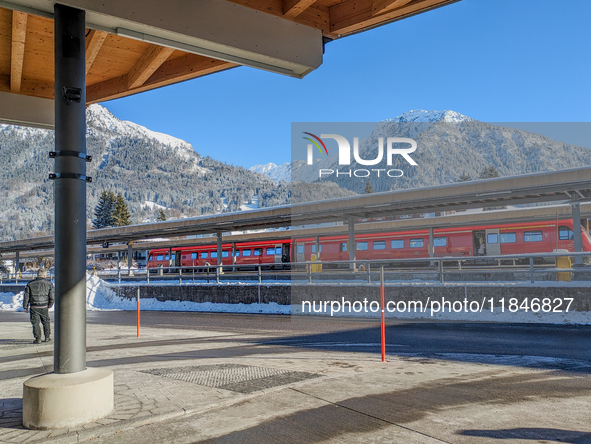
(100, 296)
(152, 205)
(253, 206)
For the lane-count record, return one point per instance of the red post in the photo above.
(383, 307)
(138, 312)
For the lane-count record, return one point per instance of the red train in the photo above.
(466, 242)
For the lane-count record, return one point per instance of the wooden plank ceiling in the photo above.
(117, 66)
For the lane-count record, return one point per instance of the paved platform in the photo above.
(202, 384)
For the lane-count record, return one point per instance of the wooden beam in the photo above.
(36, 88)
(94, 41)
(293, 8)
(182, 68)
(356, 15)
(380, 6)
(17, 57)
(149, 62)
(315, 16)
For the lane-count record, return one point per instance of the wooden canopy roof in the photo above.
(119, 66)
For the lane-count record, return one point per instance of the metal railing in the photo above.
(439, 267)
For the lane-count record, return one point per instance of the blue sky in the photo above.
(492, 60)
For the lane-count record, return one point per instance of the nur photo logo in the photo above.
(344, 155)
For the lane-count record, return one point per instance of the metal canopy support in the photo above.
(129, 257)
(577, 228)
(70, 193)
(170, 259)
(351, 246)
(317, 243)
(233, 256)
(17, 262)
(431, 249)
(219, 236)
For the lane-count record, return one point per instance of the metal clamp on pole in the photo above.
(54, 176)
(54, 154)
(71, 94)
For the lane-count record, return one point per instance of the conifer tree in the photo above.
(161, 216)
(464, 177)
(103, 212)
(489, 172)
(121, 216)
(368, 188)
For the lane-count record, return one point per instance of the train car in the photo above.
(473, 242)
(466, 242)
(161, 258)
(246, 255)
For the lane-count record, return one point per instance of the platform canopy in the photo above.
(139, 45)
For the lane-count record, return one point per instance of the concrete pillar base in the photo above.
(57, 401)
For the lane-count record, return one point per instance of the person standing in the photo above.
(39, 296)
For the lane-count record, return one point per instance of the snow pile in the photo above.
(11, 301)
(100, 296)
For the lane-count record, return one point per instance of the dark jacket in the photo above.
(38, 293)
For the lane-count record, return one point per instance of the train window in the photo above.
(193, 255)
(160, 257)
(416, 243)
(277, 250)
(343, 246)
(150, 258)
(492, 238)
(361, 246)
(379, 245)
(236, 253)
(214, 254)
(203, 255)
(270, 251)
(565, 233)
(397, 244)
(300, 249)
(173, 256)
(533, 236)
(258, 251)
(246, 252)
(508, 238)
(225, 253)
(314, 248)
(440, 241)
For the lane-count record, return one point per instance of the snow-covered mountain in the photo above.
(278, 173)
(449, 144)
(151, 170)
(420, 115)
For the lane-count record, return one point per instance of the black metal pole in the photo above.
(70, 191)
(351, 246)
(577, 238)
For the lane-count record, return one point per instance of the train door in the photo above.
(278, 253)
(492, 241)
(286, 252)
(479, 243)
(300, 248)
